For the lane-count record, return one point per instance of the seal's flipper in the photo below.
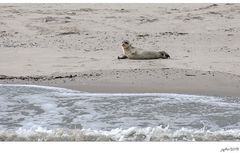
(164, 55)
(122, 57)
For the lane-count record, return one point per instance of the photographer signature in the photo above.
(229, 149)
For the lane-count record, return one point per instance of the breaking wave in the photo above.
(131, 134)
(39, 113)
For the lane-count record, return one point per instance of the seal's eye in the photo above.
(126, 43)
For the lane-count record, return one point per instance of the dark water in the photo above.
(36, 113)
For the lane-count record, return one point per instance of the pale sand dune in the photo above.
(75, 39)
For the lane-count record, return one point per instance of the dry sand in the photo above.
(76, 46)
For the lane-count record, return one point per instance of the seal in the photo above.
(137, 53)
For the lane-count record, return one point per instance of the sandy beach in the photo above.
(76, 46)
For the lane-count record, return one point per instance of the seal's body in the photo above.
(137, 53)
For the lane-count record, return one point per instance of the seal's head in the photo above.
(126, 44)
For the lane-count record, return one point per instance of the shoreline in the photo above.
(165, 80)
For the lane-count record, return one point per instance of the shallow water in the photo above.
(37, 113)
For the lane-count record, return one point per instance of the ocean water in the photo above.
(37, 113)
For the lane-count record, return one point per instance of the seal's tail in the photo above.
(164, 55)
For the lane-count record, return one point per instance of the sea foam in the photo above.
(38, 113)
